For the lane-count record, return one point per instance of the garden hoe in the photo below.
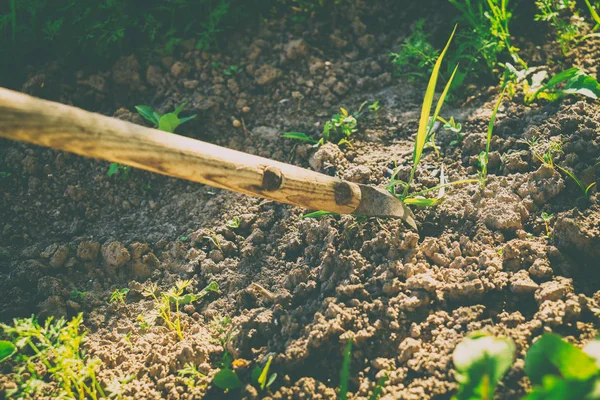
(71, 129)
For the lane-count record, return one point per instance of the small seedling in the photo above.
(234, 223)
(379, 387)
(232, 70)
(226, 378)
(190, 375)
(455, 127)
(374, 107)
(77, 296)
(4, 174)
(123, 170)
(184, 238)
(118, 296)
(175, 295)
(143, 324)
(566, 31)
(213, 238)
(416, 56)
(345, 371)
(546, 218)
(261, 377)
(481, 361)
(483, 156)
(167, 122)
(338, 129)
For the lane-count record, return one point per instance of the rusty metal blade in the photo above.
(376, 202)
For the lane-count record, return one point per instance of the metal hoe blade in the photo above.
(376, 202)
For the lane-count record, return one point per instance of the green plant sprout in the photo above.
(455, 127)
(345, 371)
(546, 218)
(142, 323)
(483, 156)
(566, 31)
(481, 361)
(338, 129)
(378, 390)
(163, 300)
(167, 122)
(416, 56)
(78, 296)
(261, 376)
(56, 345)
(118, 296)
(374, 107)
(232, 70)
(226, 378)
(489, 35)
(234, 223)
(123, 170)
(575, 82)
(545, 153)
(190, 375)
(213, 238)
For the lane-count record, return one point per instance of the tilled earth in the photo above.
(298, 289)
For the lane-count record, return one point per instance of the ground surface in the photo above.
(298, 289)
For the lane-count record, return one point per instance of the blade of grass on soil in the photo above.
(425, 112)
(345, 373)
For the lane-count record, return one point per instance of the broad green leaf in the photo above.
(584, 85)
(7, 349)
(481, 361)
(226, 379)
(212, 287)
(555, 388)
(256, 371)
(168, 122)
(345, 372)
(317, 214)
(112, 169)
(299, 136)
(551, 355)
(148, 113)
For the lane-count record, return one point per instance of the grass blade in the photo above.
(593, 12)
(492, 122)
(345, 373)
(299, 136)
(421, 138)
(317, 214)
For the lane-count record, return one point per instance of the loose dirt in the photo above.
(298, 289)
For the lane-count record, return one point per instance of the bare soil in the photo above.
(298, 289)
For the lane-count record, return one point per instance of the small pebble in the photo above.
(236, 123)
(246, 109)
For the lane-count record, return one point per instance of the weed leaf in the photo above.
(317, 214)
(226, 379)
(481, 361)
(299, 136)
(168, 122)
(7, 349)
(112, 169)
(551, 355)
(148, 113)
(262, 379)
(345, 373)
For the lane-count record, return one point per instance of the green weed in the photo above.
(417, 56)
(234, 223)
(339, 129)
(345, 371)
(191, 376)
(232, 70)
(570, 81)
(483, 156)
(123, 170)
(7, 349)
(556, 369)
(226, 378)
(261, 377)
(550, 11)
(56, 346)
(118, 296)
(167, 122)
(488, 35)
(546, 218)
(175, 295)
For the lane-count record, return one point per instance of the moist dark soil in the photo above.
(299, 289)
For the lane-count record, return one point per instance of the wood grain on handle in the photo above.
(63, 127)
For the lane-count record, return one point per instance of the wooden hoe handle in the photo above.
(63, 127)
